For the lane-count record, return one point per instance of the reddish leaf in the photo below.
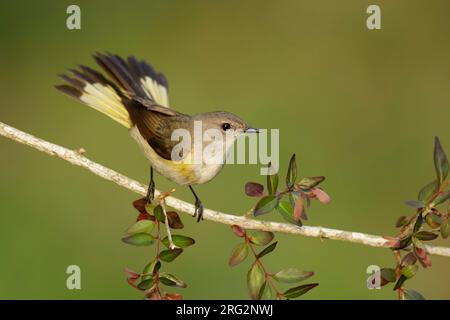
(139, 204)
(238, 230)
(253, 189)
(173, 296)
(239, 253)
(145, 216)
(298, 210)
(174, 220)
(321, 195)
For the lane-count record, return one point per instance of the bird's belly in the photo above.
(177, 171)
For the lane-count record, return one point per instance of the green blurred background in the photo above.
(360, 107)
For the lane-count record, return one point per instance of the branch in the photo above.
(76, 158)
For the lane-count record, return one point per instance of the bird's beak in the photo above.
(251, 130)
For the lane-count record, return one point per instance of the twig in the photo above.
(74, 157)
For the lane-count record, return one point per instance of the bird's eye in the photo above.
(226, 126)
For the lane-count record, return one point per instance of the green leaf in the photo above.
(142, 226)
(292, 275)
(445, 228)
(400, 282)
(260, 238)
(409, 259)
(170, 255)
(272, 182)
(265, 205)
(415, 204)
(139, 239)
(291, 176)
(299, 291)
(267, 250)
(265, 293)
(433, 220)
(310, 182)
(413, 295)
(428, 191)
(145, 284)
(239, 253)
(255, 280)
(286, 211)
(402, 221)
(388, 274)
(253, 189)
(441, 198)
(409, 271)
(425, 235)
(159, 214)
(440, 161)
(178, 240)
(417, 243)
(151, 268)
(171, 281)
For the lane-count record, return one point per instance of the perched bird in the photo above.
(136, 96)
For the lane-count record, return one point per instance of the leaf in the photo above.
(445, 229)
(400, 282)
(174, 296)
(286, 211)
(298, 209)
(310, 182)
(265, 205)
(425, 235)
(146, 284)
(433, 220)
(440, 161)
(413, 295)
(409, 271)
(260, 238)
(291, 176)
(131, 275)
(415, 204)
(299, 291)
(409, 259)
(159, 214)
(151, 268)
(441, 198)
(139, 204)
(267, 250)
(253, 189)
(265, 293)
(139, 239)
(174, 220)
(272, 182)
(239, 253)
(417, 243)
(255, 280)
(178, 240)
(321, 195)
(292, 275)
(428, 191)
(401, 221)
(237, 230)
(388, 274)
(170, 255)
(171, 281)
(142, 226)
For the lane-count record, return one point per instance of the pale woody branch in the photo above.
(76, 158)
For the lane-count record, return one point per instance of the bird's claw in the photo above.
(198, 210)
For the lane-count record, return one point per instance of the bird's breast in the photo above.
(180, 172)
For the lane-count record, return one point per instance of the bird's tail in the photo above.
(130, 79)
(93, 89)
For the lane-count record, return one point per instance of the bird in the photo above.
(131, 92)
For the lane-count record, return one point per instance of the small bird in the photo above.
(136, 96)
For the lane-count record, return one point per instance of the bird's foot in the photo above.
(150, 192)
(198, 210)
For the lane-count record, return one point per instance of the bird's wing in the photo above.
(157, 127)
(135, 78)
